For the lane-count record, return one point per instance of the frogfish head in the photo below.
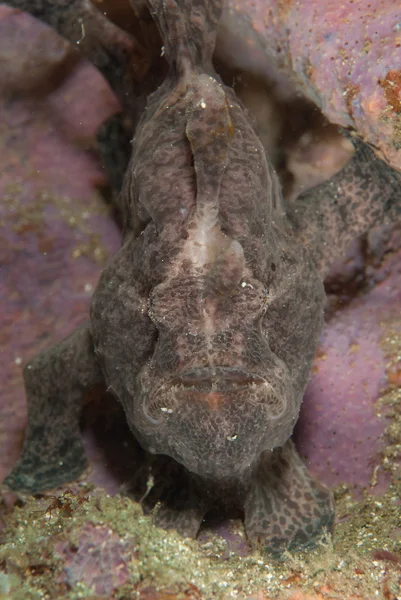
(229, 367)
(216, 421)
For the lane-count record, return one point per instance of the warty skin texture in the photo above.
(205, 323)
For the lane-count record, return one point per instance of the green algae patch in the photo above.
(371, 524)
(46, 533)
(85, 544)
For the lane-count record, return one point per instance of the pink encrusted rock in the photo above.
(340, 430)
(344, 56)
(56, 231)
(34, 52)
(98, 560)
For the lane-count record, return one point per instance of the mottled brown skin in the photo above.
(205, 323)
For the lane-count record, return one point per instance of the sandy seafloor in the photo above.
(87, 540)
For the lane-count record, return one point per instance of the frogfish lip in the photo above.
(210, 388)
(216, 379)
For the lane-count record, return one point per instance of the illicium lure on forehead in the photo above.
(205, 323)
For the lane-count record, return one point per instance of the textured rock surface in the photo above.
(98, 559)
(344, 56)
(93, 546)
